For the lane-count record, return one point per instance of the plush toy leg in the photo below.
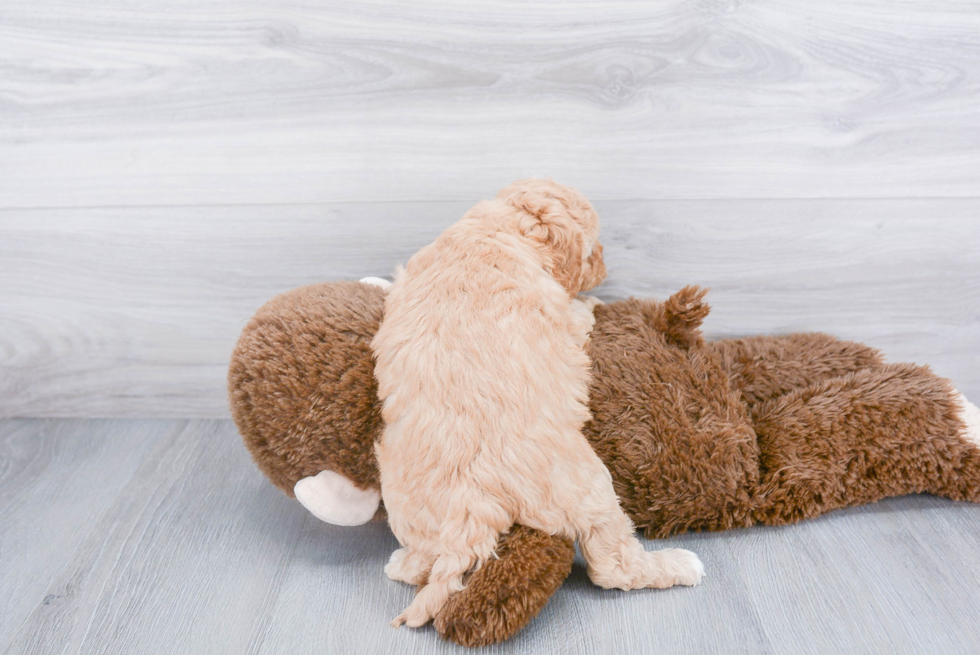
(763, 368)
(333, 498)
(879, 432)
(509, 590)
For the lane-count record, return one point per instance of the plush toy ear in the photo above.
(682, 315)
(376, 282)
(333, 498)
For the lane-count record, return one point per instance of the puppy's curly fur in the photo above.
(481, 367)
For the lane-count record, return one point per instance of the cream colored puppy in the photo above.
(481, 367)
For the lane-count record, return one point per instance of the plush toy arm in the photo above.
(503, 595)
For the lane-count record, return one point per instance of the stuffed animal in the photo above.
(697, 435)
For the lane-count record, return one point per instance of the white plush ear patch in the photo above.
(333, 498)
(970, 414)
(376, 281)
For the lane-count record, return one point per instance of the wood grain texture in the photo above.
(876, 576)
(188, 558)
(111, 103)
(134, 312)
(133, 536)
(57, 481)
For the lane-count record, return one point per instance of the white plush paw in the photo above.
(333, 498)
(970, 415)
(376, 281)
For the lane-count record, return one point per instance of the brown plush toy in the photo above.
(697, 435)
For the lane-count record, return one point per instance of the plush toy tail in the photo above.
(682, 315)
(883, 431)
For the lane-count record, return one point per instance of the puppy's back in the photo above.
(474, 354)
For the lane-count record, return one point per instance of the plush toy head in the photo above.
(303, 394)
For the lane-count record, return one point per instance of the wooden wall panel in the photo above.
(283, 101)
(134, 312)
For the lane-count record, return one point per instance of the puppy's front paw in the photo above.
(408, 566)
(684, 566)
(393, 569)
(582, 320)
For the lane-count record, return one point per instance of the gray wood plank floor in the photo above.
(160, 536)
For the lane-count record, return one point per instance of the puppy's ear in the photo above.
(544, 216)
(595, 268)
(563, 243)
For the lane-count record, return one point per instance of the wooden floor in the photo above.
(159, 536)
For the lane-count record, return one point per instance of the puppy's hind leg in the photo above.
(466, 541)
(617, 560)
(614, 555)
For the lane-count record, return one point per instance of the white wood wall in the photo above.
(166, 167)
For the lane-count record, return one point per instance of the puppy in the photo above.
(481, 367)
